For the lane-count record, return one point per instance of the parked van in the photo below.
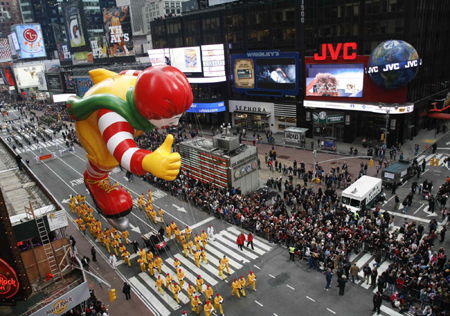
(361, 194)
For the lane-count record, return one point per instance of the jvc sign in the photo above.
(334, 52)
(394, 66)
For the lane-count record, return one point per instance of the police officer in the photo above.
(292, 253)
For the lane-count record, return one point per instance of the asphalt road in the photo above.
(283, 287)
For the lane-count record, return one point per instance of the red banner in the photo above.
(45, 157)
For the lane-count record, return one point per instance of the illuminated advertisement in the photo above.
(70, 84)
(28, 76)
(8, 76)
(99, 47)
(213, 60)
(159, 56)
(62, 44)
(207, 107)
(76, 29)
(54, 82)
(270, 73)
(83, 85)
(30, 41)
(117, 26)
(5, 51)
(186, 59)
(335, 80)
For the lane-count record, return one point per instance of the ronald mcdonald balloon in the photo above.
(118, 108)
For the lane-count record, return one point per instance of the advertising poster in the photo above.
(76, 29)
(99, 47)
(28, 76)
(5, 51)
(62, 45)
(8, 76)
(54, 82)
(12, 46)
(83, 85)
(213, 60)
(70, 83)
(30, 40)
(335, 80)
(159, 56)
(42, 81)
(117, 26)
(244, 73)
(186, 59)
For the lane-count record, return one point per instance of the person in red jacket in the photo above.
(250, 240)
(240, 240)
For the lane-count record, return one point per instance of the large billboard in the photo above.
(99, 47)
(28, 76)
(213, 60)
(336, 80)
(270, 73)
(54, 82)
(186, 59)
(83, 85)
(7, 76)
(75, 24)
(117, 26)
(62, 44)
(70, 84)
(29, 40)
(159, 56)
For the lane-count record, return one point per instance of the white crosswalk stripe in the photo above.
(158, 194)
(149, 296)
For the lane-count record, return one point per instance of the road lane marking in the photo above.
(419, 208)
(310, 299)
(290, 287)
(271, 276)
(331, 311)
(257, 267)
(259, 303)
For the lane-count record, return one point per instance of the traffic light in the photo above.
(112, 295)
(432, 162)
(371, 163)
(436, 162)
(382, 137)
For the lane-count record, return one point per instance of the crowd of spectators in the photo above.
(92, 307)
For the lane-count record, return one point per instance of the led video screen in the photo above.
(278, 73)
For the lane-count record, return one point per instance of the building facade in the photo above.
(303, 26)
(9, 15)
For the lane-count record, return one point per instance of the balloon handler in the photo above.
(118, 108)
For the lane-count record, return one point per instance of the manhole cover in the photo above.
(284, 157)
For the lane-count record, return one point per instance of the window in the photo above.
(177, 4)
(178, 11)
(172, 5)
(166, 5)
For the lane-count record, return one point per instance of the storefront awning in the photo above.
(253, 113)
(439, 116)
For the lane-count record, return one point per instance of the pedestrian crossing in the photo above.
(427, 158)
(48, 144)
(224, 244)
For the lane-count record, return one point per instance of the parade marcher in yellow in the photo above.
(182, 239)
(218, 300)
(225, 263)
(242, 285)
(151, 267)
(203, 255)
(177, 234)
(141, 264)
(78, 210)
(169, 280)
(125, 235)
(126, 257)
(143, 254)
(195, 302)
(72, 206)
(197, 258)
(78, 197)
(209, 293)
(235, 286)
(180, 276)
(191, 246)
(148, 211)
(85, 215)
(191, 291)
(141, 201)
(153, 215)
(173, 226)
(159, 282)
(100, 237)
(175, 290)
(122, 248)
(158, 262)
(83, 228)
(188, 232)
(115, 245)
(83, 199)
(168, 231)
(200, 284)
(72, 199)
(197, 242)
(221, 268)
(251, 280)
(161, 215)
(208, 308)
(116, 236)
(90, 211)
(107, 232)
(186, 249)
(98, 224)
(204, 238)
(107, 242)
(79, 221)
(176, 263)
(150, 198)
(149, 255)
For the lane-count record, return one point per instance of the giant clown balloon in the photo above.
(118, 108)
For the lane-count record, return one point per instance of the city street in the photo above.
(283, 287)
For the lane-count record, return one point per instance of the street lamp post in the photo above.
(388, 111)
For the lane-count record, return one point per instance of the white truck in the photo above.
(362, 193)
